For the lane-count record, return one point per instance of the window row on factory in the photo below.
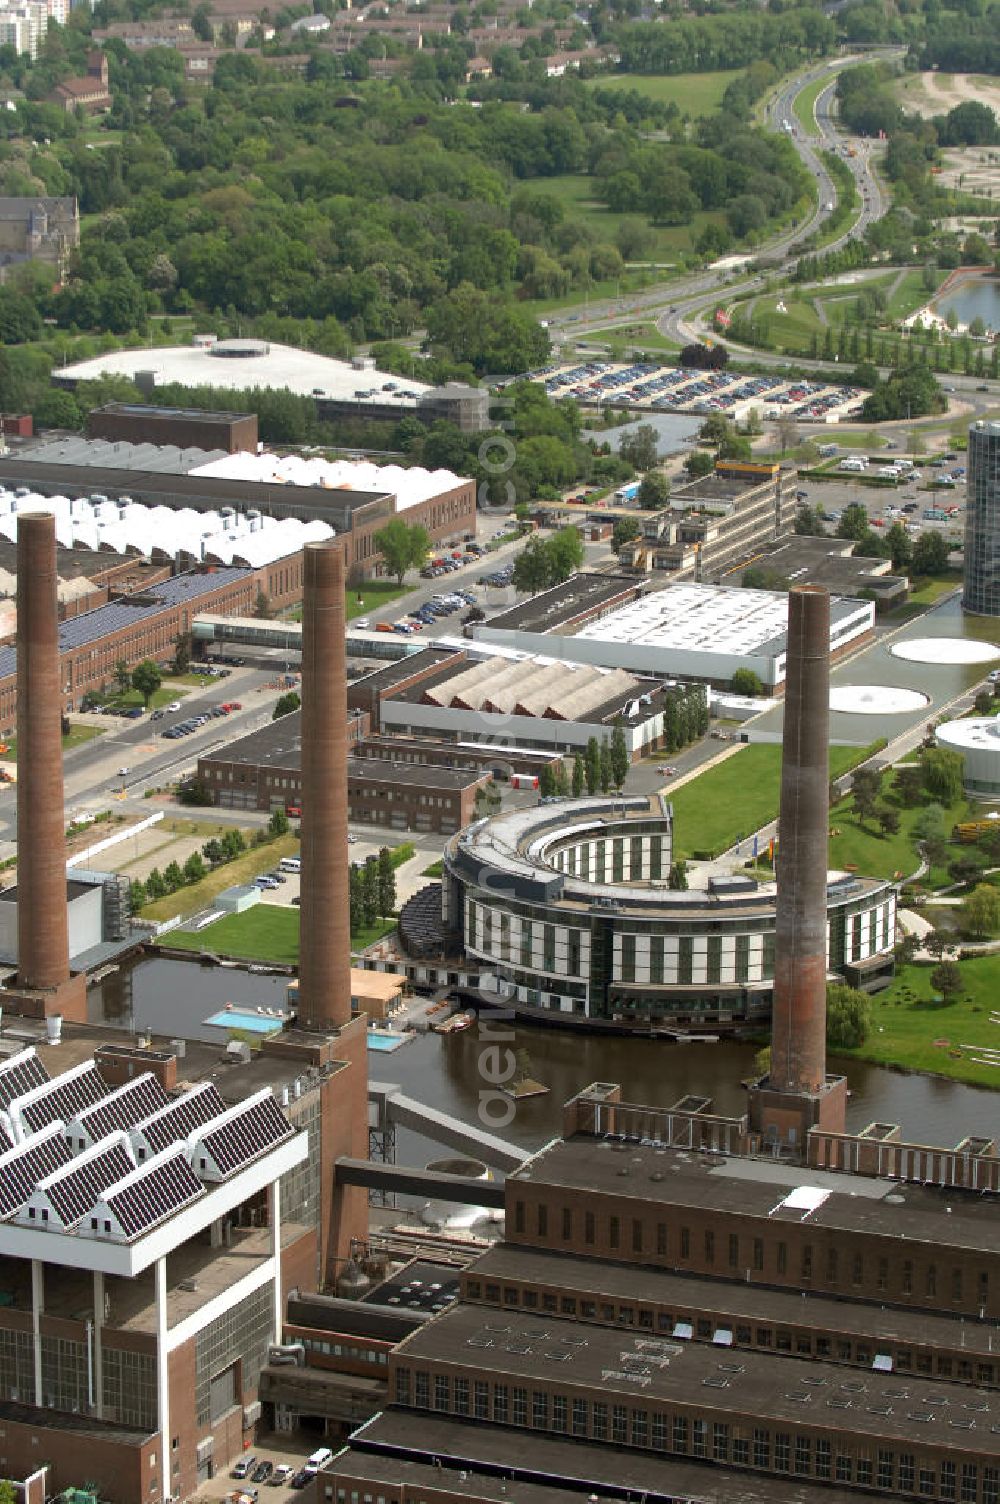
(830, 1266)
(768, 1336)
(846, 1458)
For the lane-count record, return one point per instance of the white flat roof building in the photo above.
(240, 365)
(409, 486)
(977, 738)
(693, 631)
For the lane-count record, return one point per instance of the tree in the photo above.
(942, 771)
(938, 943)
(607, 772)
(866, 784)
(355, 906)
(946, 978)
(592, 765)
(233, 844)
(853, 522)
(403, 546)
(624, 530)
(620, 760)
(173, 877)
(654, 492)
(848, 1017)
(182, 653)
(980, 912)
(677, 879)
(533, 567)
(699, 462)
(638, 448)
(137, 895)
(930, 554)
(277, 825)
(888, 820)
(386, 882)
(908, 785)
(286, 704)
(900, 547)
(746, 682)
(123, 674)
(212, 852)
(146, 678)
(155, 886)
(565, 549)
(370, 889)
(579, 775)
(194, 868)
(262, 606)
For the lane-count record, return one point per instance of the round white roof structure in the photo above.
(944, 650)
(875, 699)
(978, 740)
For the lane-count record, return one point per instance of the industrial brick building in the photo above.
(353, 499)
(264, 771)
(670, 1316)
(188, 428)
(145, 624)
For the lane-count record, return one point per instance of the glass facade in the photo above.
(982, 521)
(241, 1334)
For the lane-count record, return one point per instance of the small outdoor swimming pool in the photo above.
(249, 1020)
(384, 1042)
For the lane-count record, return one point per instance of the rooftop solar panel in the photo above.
(247, 1132)
(154, 1192)
(62, 1098)
(22, 1168)
(78, 631)
(74, 1189)
(20, 1074)
(123, 1108)
(181, 1117)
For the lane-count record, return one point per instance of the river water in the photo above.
(174, 997)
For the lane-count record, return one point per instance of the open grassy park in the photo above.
(267, 932)
(910, 1030)
(576, 191)
(694, 94)
(737, 796)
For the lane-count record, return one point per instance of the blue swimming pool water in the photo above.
(252, 1023)
(384, 1042)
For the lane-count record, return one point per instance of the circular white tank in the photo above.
(978, 740)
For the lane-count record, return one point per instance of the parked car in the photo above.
(262, 1471)
(244, 1467)
(134, 714)
(123, 772)
(282, 1474)
(174, 705)
(301, 1478)
(362, 623)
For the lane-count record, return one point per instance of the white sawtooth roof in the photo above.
(409, 486)
(133, 527)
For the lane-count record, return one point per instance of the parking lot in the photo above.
(673, 389)
(280, 1451)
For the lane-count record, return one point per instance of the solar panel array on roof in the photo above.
(91, 626)
(178, 1120)
(62, 1098)
(247, 1132)
(73, 1191)
(22, 1168)
(19, 1074)
(153, 1192)
(123, 1108)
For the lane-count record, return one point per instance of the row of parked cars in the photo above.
(194, 722)
(262, 1470)
(499, 577)
(441, 605)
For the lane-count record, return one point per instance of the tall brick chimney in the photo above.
(325, 945)
(798, 1094)
(44, 985)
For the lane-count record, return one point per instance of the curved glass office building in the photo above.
(982, 521)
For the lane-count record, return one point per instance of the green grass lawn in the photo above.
(693, 93)
(435, 869)
(199, 896)
(78, 736)
(263, 933)
(878, 855)
(804, 105)
(736, 797)
(371, 594)
(910, 1030)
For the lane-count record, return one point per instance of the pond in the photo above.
(975, 297)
